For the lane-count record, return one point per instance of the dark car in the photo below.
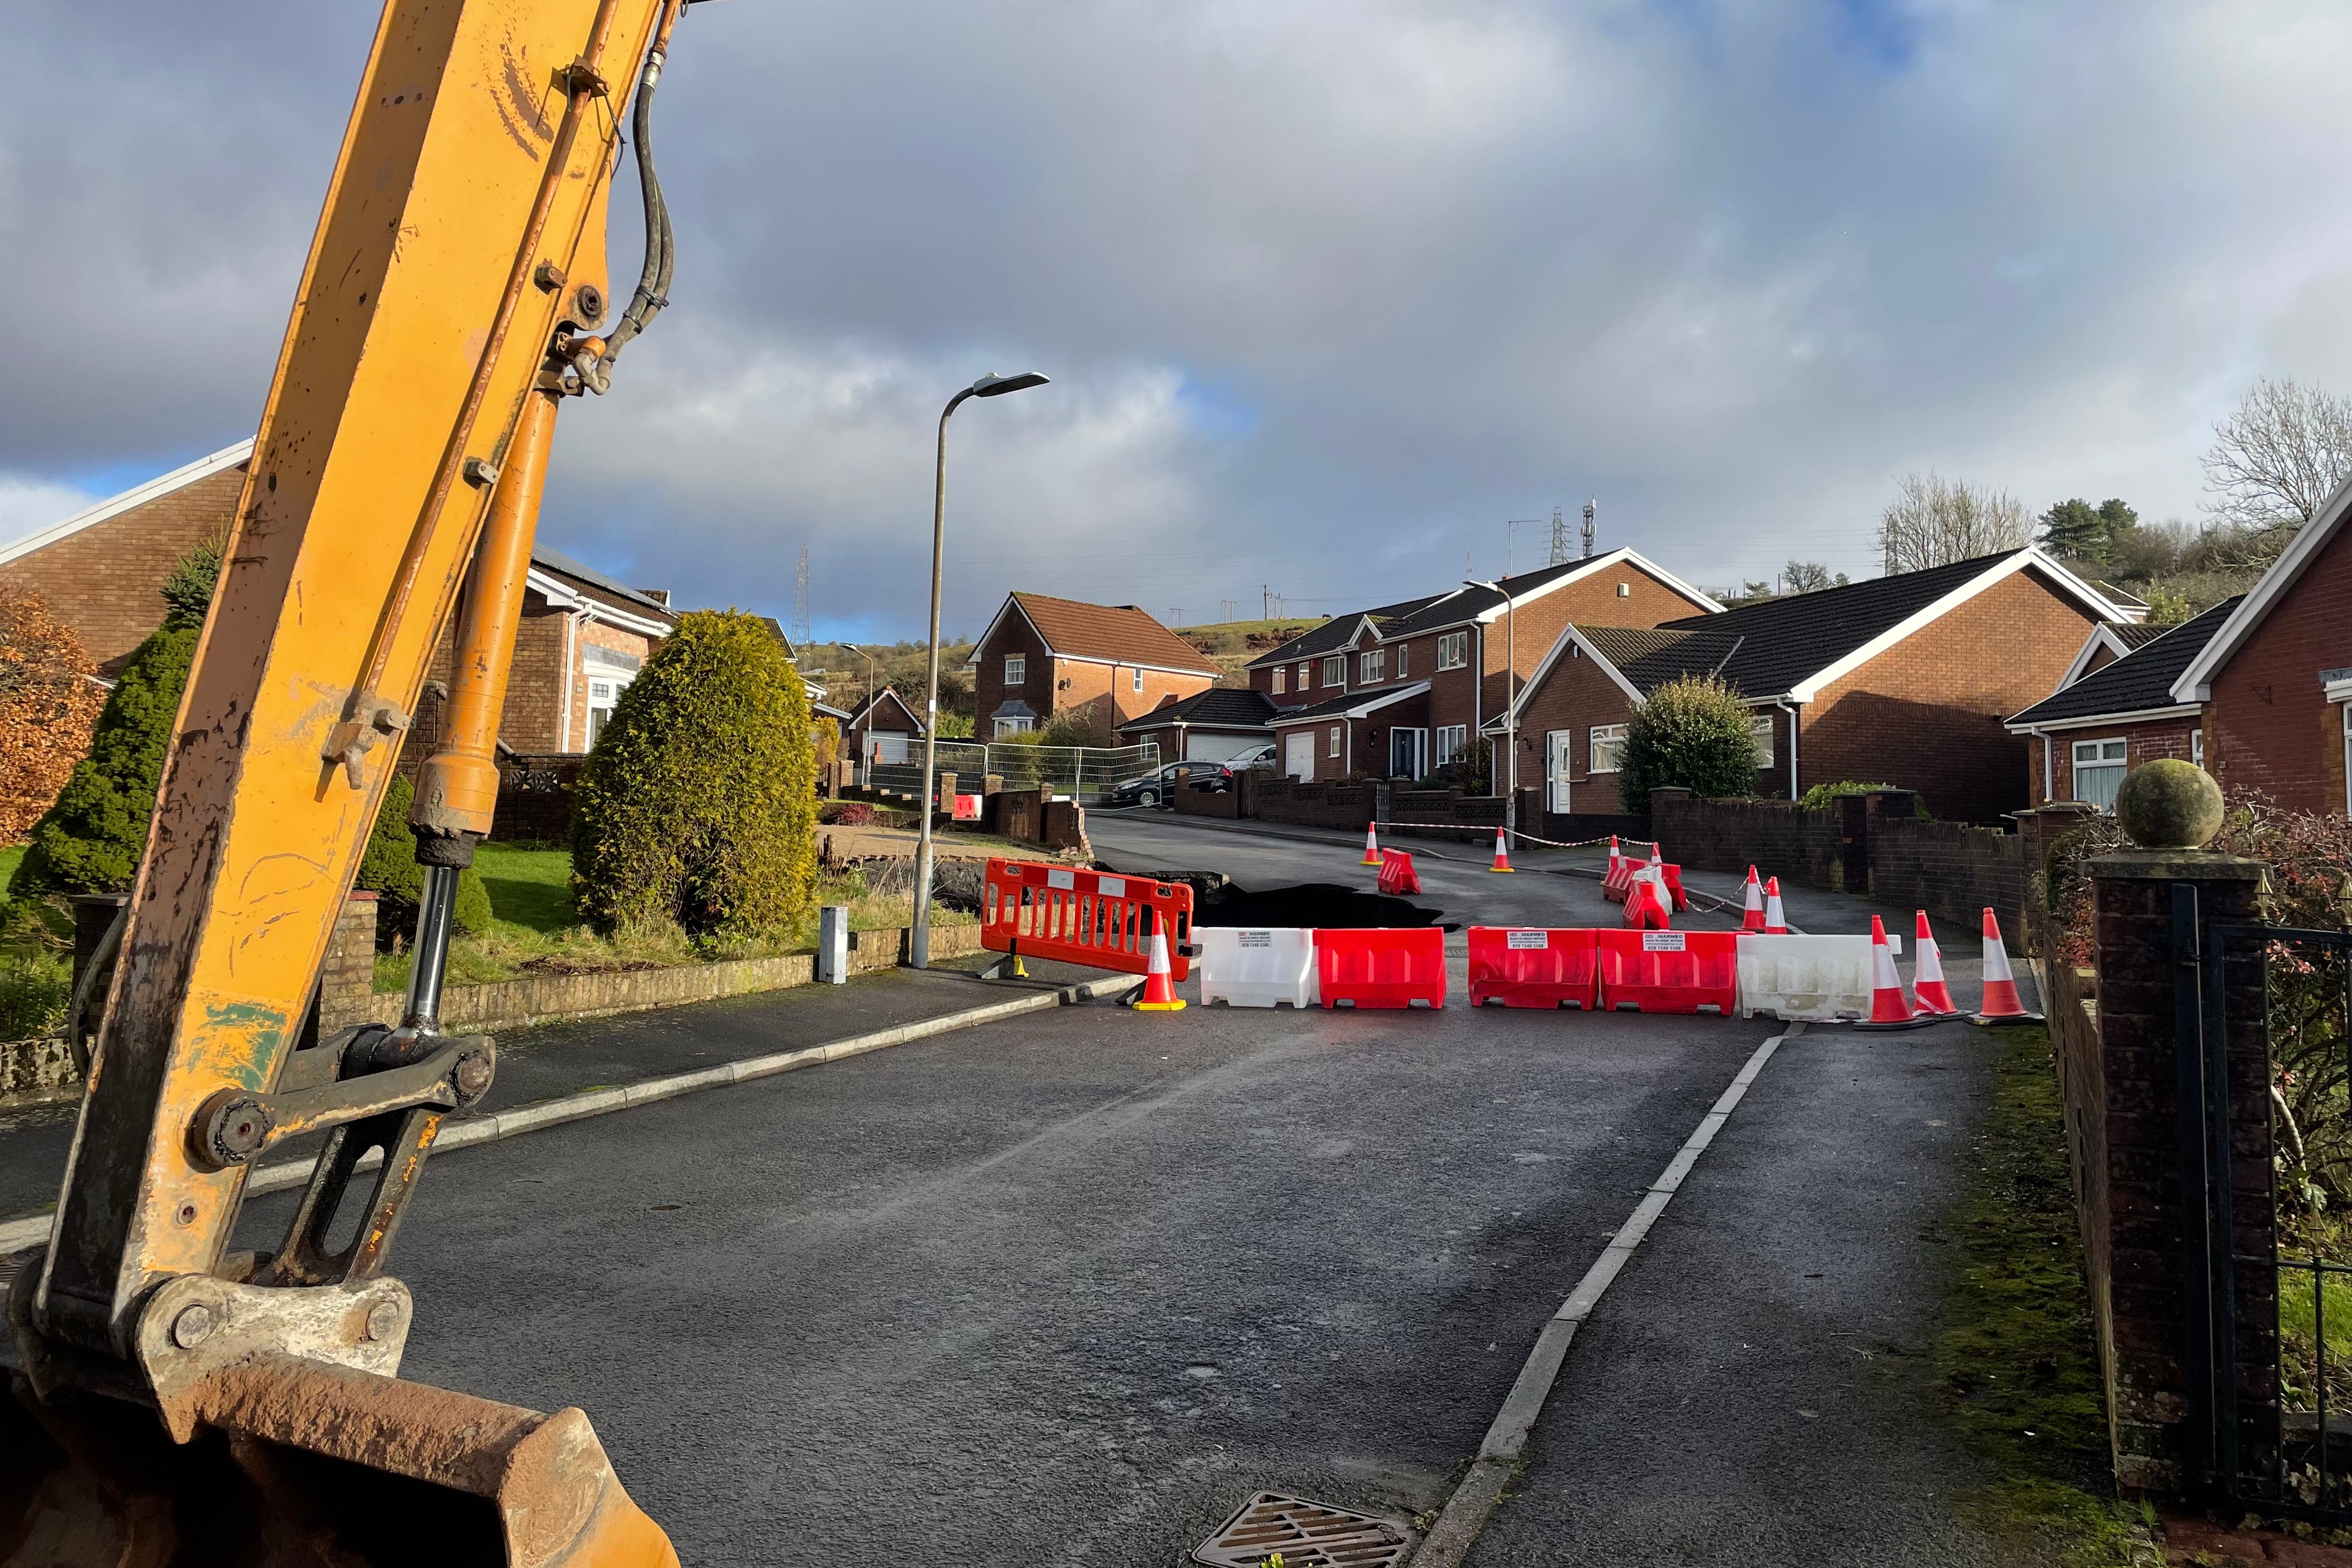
(1158, 786)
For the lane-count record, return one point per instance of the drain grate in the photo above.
(1307, 1534)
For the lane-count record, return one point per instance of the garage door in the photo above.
(893, 747)
(1298, 754)
(1215, 747)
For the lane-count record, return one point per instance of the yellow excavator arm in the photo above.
(175, 1400)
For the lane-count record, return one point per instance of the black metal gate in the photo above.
(2266, 1157)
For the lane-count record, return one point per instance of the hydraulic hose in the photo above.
(652, 291)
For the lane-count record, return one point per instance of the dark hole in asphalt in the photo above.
(1219, 902)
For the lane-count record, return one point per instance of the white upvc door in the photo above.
(1560, 747)
(1298, 754)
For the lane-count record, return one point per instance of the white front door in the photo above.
(1557, 744)
(1298, 754)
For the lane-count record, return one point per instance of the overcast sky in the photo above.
(1329, 291)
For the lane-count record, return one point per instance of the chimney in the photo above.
(658, 595)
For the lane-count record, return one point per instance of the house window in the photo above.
(1760, 727)
(1015, 726)
(1608, 745)
(1016, 669)
(1138, 684)
(1281, 675)
(2197, 746)
(1306, 676)
(1335, 670)
(1451, 740)
(1400, 653)
(2099, 767)
(1372, 666)
(604, 693)
(1454, 650)
(1334, 740)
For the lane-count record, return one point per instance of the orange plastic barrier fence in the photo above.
(1675, 884)
(1083, 917)
(1521, 967)
(1670, 971)
(1384, 967)
(1397, 875)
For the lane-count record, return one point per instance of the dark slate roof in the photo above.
(543, 556)
(1222, 707)
(2134, 634)
(1465, 603)
(1348, 702)
(1783, 641)
(1335, 632)
(2140, 680)
(1650, 657)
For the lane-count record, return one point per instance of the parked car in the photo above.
(1257, 757)
(1158, 786)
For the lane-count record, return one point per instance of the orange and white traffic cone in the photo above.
(1158, 982)
(1776, 923)
(1751, 916)
(1616, 860)
(1927, 987)
(2002, 1004)
(1888, 1007)
(1371, 844)
(1502, 854)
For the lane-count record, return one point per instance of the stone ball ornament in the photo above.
(2168, 804)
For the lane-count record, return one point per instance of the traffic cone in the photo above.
(1888, 1005)
(2002, 1004)
(1502, 854)
(1776, 923)
(1371, 844)
(1927, 987)
(1751, 918)
(1159, 983)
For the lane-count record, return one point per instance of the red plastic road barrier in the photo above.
(1643, 909)
(1620, 878)
(1397, 875)
(1520, 967)
(967, 808)
(1384, 967)
(1669, 971)
(1674, 875)
(1082, 916)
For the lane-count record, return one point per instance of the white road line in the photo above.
(1473, 1503)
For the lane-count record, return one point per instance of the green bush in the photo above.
(90, 839)
(1693, 732)
(388, 868)
(697, 806)
(1818, 798)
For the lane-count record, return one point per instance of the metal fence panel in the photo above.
(1084, 773)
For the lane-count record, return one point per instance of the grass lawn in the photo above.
(527, 888)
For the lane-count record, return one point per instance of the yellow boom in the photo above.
(176, 1401)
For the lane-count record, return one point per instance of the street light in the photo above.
(1510, 716)
(990, 385)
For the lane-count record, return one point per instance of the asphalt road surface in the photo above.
(1066, 1290)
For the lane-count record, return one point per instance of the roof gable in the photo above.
(1339, 631)
(1478, 602)
(137, 496)
(890, 695)
(1103, 634)
(2138, 682)
(2196, 682)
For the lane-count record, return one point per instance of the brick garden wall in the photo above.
(1281, 799)
(1948, 869)
(535, 798)
(1777, 837)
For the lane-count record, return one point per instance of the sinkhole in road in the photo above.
(1330, 906)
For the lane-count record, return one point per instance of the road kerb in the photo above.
(1475, 1500)
(17, 1234)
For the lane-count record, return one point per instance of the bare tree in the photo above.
(1810, 577)
(1934, 521)
(2277, 460)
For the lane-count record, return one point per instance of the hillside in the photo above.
(1232, 644)
(842, 672)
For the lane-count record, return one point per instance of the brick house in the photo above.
(2084, 737)
(582, 638)
(1456, 650)
(1905, 680)
(1214, 726)
(885, 719)
(2275, 681)
(1043, 655)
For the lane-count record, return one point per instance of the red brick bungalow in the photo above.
(1042, 656)
(1903, 680)
(583, 636)
(2084, 737)
(2275, 681)
(1406, 685)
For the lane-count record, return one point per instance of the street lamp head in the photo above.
(993, 385)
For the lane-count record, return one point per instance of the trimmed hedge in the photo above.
(388, 868)
(1692, 732)
(697, 806)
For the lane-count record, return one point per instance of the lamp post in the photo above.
(990, 385)
(1510, 770)
(865, 777)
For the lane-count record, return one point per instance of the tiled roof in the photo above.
(1335, 632)
(1783, 641)
(1465, 602)
(588, 576)
(1224, 707)
(2140, 680)
(1122, 633)
(1650, 657)
(2134, 634)
(1353, 702)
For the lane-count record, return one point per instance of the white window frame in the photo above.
(1281, 679)
(1447, 742)
(1371, 666)
(1402, 648)
(1760, 727)
(2197, 743)
(2108, 754)
(1454, 651)
(1306, 675)
(1604, 746)
(1016, 670)
(1335, 670)
(1015, 726)
(1137, 684)
(605, 690)
(1334, 740)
